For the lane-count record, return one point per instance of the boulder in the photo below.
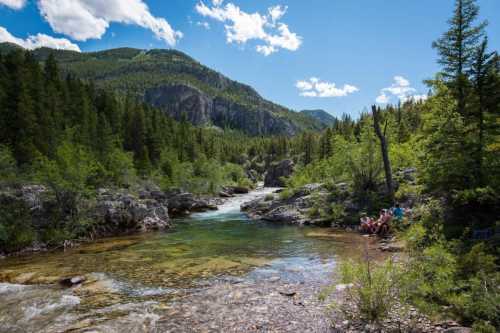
(180, 203)
(458, 330)
(72, 281)
(236, 190)
(285, 214)
(122, 212)
(223, 194)
(278, 171)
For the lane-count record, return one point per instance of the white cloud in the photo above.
(277, 12)
(37, 41)
(242, 27)
(382, 99)
(14, 4)
(89, 19)
(401, 89)
(205, 25)
(314, 87)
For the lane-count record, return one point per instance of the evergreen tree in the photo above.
(457, 46)
(481, 69)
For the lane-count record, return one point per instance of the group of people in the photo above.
(381, 226)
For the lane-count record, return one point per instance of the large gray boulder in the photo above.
(278, 171)
(121, 212)
(183, 203)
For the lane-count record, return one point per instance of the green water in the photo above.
(159, 267)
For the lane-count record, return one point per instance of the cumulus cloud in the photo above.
(89, 19)
(242, 27)
(314, 87)
(37, 41)
(401, 89)
(14, 4)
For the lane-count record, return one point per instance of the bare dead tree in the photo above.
(385, 151)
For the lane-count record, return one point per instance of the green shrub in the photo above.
(16, 230)
(415, 237)
(483, 327)
(429, 277)
(8, 168)
(373, 290)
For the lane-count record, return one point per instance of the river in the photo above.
(214, 272)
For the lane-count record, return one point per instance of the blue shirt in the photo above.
(399, 213)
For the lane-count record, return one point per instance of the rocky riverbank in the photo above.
(111, 212)
(319, 204)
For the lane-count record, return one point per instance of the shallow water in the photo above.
(131, 279)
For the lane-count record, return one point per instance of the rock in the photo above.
(391, 248)
(288, 293)
(31, 195)
(223, 194)
(286, 214)
(458, 330)
(236, 189)
(121, 212)
(278, 171)
(180, 202)
(72, 281)
(292, 210)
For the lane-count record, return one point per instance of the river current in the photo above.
(154, 282)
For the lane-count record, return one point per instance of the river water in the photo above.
(214, 272)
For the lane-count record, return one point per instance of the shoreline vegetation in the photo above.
(80, 162)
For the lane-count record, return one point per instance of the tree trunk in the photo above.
(385, 152)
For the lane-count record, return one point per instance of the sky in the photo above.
(337, 55)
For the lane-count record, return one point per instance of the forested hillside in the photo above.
(320, 115)
(180, 86)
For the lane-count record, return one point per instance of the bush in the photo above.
(429, 277)
(483, 327)
(373, 290)
(16, 230)
(8, 169)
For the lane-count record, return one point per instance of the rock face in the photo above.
(278, 171)
(183, 203)
(293, 210)
(113, 211)
(181, 100)
(122, 212)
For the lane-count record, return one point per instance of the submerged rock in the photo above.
(72, 281)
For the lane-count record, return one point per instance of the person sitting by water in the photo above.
(398, 212)
(367, 224)
(382, 225)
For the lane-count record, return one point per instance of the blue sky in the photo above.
(361, 46)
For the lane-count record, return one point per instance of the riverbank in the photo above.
(41, 226)
(216, 269)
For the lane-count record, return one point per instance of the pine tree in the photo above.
(481, 68)
(457, 46)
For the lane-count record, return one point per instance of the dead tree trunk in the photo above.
(385, 152)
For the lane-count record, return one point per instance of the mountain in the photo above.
(182, 87)
(320, 115)
(7, 47)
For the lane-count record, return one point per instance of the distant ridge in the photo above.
(182, 88)
(320, 115)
